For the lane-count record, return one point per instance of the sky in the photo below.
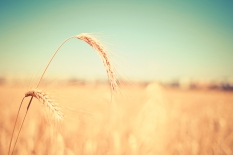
(148, 40)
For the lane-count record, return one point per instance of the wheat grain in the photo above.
(46, 100)
(100, 48)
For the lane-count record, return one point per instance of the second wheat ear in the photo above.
(43, 97)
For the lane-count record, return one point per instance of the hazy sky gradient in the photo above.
(156, 39)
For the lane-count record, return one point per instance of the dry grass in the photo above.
(154, 120)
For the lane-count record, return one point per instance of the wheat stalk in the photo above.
(44, 98)
(100, 48)
(52, 59)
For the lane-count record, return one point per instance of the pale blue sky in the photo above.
(156, 39)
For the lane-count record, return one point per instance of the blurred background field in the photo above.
(149, 119)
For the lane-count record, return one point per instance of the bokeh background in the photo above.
(173, 60)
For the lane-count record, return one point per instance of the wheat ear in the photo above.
(100, 48)
(44, 98)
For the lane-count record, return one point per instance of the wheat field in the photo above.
(149, 119)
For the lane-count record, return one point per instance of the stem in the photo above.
(22, 124)
(14, 126)
(52, 58)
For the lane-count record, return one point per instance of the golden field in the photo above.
(144, 120)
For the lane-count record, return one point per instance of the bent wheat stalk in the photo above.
(100, 48)
(52, 59)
